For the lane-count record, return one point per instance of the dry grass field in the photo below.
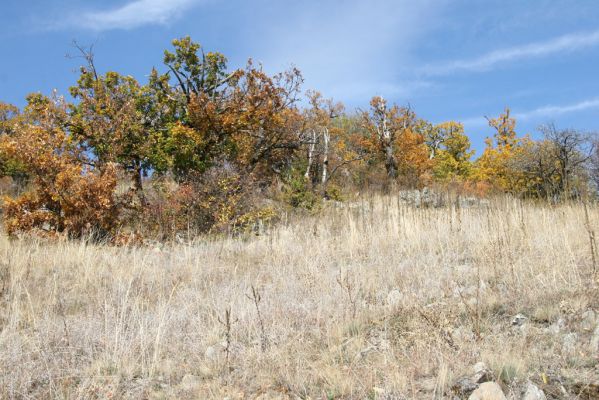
(373, 300)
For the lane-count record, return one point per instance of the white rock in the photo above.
(488, 391)
(211, 353)
(519, 319)
(394, 298)
(557, 326)
(190, 383)
(533, 392)
(462, 334)
(589, 320)
(569, 343)
(595, 340)
(466, 384)
(480, 369)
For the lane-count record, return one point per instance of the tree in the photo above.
(116, 122)
(535, 161)
(66, 195)
(433, 136)
(571, 150)
(194, 71)
(452, 154)
(267, 124)
(385, 124)
(324, 154)
(495, 166)
(10, 122)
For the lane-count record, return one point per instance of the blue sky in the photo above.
(449, 59)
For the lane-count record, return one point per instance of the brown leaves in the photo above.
(66, 196)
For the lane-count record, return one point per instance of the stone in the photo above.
(589, 320)
(595, 340)
(482, 373)
(214, 352)
(272, 395)
(466, 384)
(190, 383)
(519, 320)
(557, 326)
(533, 392)
(394, 298)
(488, 391)
(569, 343)
(462, 334)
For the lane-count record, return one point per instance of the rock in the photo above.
(482, 373)
(533, 392)
(394, 298)
(466, 384)
(519, 320)
(488, 391)
(190, 383)
(595, 340)
(272, 395)
(589, 320)
(214, 352)
(472, 303)
(462, 334)
(557, 326)
(569, 343)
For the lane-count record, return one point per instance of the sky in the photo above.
(448, 59)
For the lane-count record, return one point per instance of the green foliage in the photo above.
(298, 192)
(452, 155)
(219, 142)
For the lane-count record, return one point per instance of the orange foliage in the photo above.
(65, 195)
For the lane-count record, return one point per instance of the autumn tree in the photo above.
(67, 195)
(395, 139)
(323, 139)
(10, 122)
(451, 154)
(267, 122)
(113, 120)
(495, 164)
(385, 124)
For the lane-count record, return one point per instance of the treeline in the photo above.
(201, 148)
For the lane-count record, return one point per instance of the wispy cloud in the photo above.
(539, 113)
(558, 45)
(551, 111)
(362, 52)
(132, 15)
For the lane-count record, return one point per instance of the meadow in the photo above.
(373, 299)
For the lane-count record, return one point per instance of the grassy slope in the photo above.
(89, 321)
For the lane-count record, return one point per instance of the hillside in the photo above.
(373, 300)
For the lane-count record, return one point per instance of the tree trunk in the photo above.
(390, 163)
(138, 185)
(325, 156)
(311, 147)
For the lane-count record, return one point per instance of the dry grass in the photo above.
(375, 301)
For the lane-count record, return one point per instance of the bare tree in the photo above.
(571, 151)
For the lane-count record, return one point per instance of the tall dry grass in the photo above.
(371, 300)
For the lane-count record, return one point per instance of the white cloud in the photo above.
(133, 14)
(550, 111)
(540, 112)
(559, 45)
